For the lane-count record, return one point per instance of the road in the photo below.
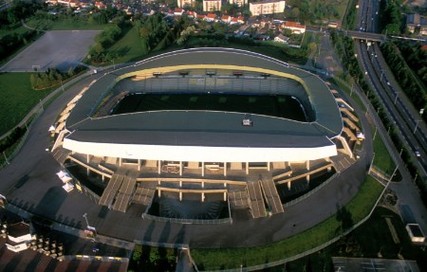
(397, 107)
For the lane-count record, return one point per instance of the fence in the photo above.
(188, 221)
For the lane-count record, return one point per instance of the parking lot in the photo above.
(60, 49)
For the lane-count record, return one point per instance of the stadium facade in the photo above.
(220, 151)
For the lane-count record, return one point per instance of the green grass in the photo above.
(129, 47)
(341, 6)
(17, 99)
(227, 258)
(367, 241)
(382, 160)
(64, 24)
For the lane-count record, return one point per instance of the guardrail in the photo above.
(188, 221)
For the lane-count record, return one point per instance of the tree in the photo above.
(295, 13)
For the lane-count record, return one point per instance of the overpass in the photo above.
(367, 36)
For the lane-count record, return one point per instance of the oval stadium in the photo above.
(206, 134)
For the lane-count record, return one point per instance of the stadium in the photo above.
(206, 134)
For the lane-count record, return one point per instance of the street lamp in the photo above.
(418, 120)
(416, 126)
(87, 221)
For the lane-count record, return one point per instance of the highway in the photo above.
(400, 111)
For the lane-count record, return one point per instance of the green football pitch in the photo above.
(272, 105)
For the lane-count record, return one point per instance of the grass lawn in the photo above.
(129, 47)
(17, 99)
(64, 24)
(382, 159)
(370, 239)
(227, 258)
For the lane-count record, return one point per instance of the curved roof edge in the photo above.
(328, 118)
(201, 153)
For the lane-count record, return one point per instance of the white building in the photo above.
(212, 5)
(267, 7)
(295, 27)
(185, 3)
(239, 3)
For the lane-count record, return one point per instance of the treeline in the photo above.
(416, 57)
(404, 75)
(157, 33)
(345, 49)
(19, 10)
(99, 53)
(9, 19)
(145, 258)
(390, 17)
(52, 77)
(11, 139)
(312, 11)
(10, 43)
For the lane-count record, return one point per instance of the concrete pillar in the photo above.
(225, 196)
(120, 161)
(203, 169)
(203, 184)
(159, 192)
(247, 168)
(139, 165)
(308, 165)
(180, 168)
(225, 184)
(159, 167)
(180, 196)
(225, 169)
(180, 183)
(87, 171)
(289, 164)
(203, 197)
(308, 178)
(87, 158)
(103, 178)
(268, 166)
(159, 182)
(289, 185)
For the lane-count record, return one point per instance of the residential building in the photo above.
(178, 12)
(281, 38)
(226, 19)
(185, 3)
(210, 17)
(239, 3)
(267, 7)
(416, 22)
(295, 27)
(212, 5)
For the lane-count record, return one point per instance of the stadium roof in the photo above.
(223, 130)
